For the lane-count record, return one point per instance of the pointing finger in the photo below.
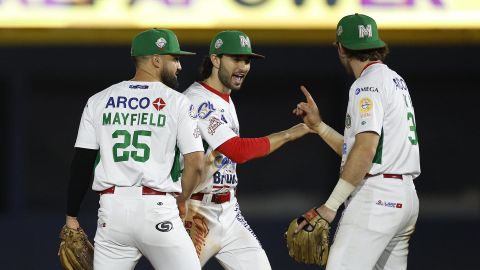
(306, 93)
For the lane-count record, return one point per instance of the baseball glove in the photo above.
(76, 252)
(309, 245)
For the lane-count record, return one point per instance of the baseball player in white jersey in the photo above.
(214, 220)
(134, 126)
(380, 156)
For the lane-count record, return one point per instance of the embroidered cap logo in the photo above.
(365, 31)
(244, 41)
(161, 42)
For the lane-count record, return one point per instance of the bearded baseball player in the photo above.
(133, 127)
(213, 219)
(380, 156)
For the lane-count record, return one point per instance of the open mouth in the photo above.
(238, 78)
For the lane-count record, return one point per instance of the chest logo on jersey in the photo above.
(205, 109)
(366, 105)
(366, 89)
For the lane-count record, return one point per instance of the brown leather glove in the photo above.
(311, 244)
(76, 252)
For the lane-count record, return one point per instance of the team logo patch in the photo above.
(214, 124)
(164, 226)
(339, 30)
(159, 104)
(389, 204)
(196, 132)
(366, 105)
(161, 42)
(218, 43)
(348, 121)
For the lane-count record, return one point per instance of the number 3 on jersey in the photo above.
(127, 140)
(413, 129)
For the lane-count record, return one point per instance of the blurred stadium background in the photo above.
(57, 53)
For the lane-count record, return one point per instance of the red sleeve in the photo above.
(241, 150)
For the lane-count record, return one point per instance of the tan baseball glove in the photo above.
(310, 245)
(76, 252)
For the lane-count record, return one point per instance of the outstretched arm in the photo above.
(242, 150)
(311, 116)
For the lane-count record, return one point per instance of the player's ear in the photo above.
(156, 61)
(215, 60)
(341, 50)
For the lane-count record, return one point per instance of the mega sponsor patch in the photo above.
(366, 89)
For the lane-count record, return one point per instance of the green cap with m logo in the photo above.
(232, 43)
(358, 32)
(156, 41)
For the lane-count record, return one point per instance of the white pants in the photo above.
(376, 226)
(131, 224)
(220, 230)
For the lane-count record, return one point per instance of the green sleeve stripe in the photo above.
(176, 171)
(378, 154)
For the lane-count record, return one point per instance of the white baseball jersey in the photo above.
(379, 101)
(136, 126)
(218, 122)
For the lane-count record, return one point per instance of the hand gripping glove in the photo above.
(310, 245)
(76, 252)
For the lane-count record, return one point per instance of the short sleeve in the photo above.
(367, 110)
(188, 134)
(213, 129)
(86, 137)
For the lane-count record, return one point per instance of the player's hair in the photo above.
(206, 68)
(378, 54)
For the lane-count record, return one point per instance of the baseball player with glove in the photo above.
(128, 133)
(214, 220)
(380, 158)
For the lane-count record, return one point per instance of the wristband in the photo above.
(339, 195)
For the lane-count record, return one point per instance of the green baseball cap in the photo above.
(358, 32)
(156, 41)
(233, 43)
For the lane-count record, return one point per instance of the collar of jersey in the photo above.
(369, 64)
(225, 97)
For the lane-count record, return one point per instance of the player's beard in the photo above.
(226, 79)
(169, 79)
